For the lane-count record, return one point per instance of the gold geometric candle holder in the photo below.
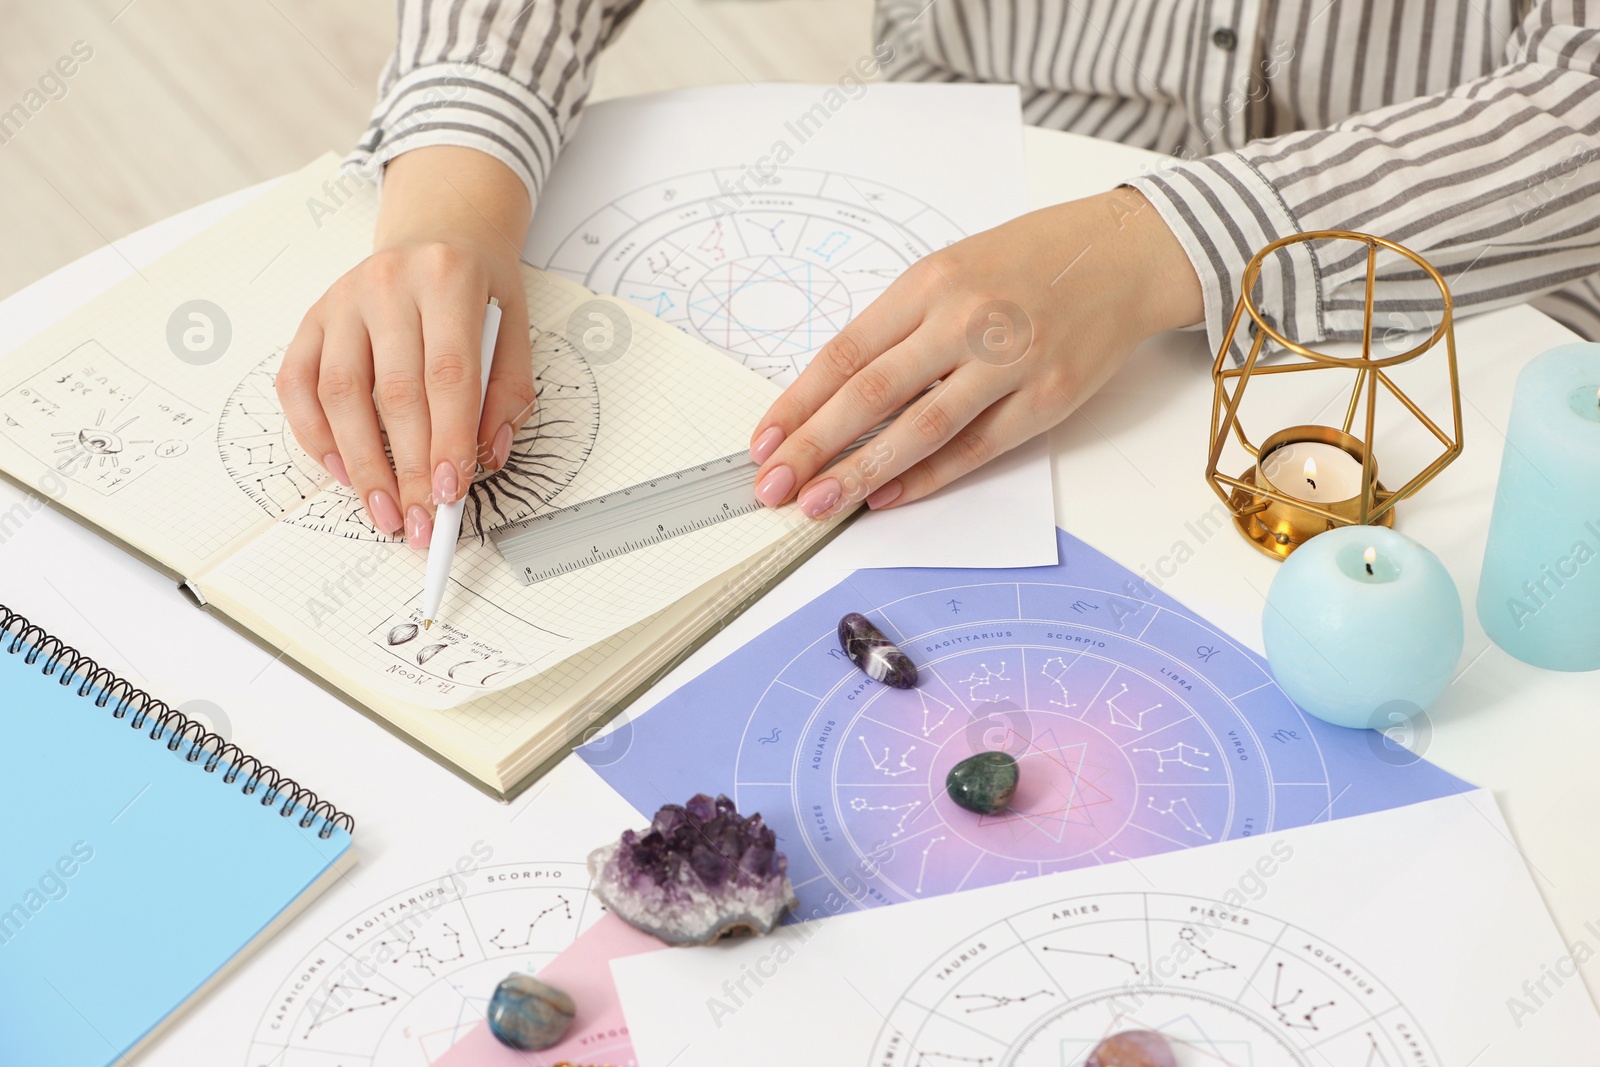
(1307, 480)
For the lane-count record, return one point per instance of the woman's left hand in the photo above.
(1012, 329)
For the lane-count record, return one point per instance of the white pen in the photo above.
(447, 520)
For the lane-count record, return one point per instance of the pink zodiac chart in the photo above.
(1138, 729)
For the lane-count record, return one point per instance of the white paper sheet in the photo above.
(1413, 936)
(762, 218)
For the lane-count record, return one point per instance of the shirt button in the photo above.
(1224, 38)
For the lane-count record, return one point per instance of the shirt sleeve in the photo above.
(1494, 182)
(508, 79)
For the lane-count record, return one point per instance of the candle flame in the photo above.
(1370, 555)
(1310, 468)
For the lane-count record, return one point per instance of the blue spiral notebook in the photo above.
(142, 857)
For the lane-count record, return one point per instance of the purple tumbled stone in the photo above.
(876, 655)
(702, 871)
(1132, 1048)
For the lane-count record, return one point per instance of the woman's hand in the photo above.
(1017, 326)
(395, 343)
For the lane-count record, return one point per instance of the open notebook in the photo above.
(142, 857)
(153, 410)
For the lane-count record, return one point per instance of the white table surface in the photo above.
(1128, 476)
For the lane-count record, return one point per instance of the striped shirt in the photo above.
(1463, 129)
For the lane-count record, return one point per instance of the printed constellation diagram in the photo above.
(264, 460)
(1127, 745)
(96, 421)
(1051, 982)
(1138, 728)
(766, 274)
(403, 980)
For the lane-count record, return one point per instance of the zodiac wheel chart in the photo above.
(268, 465)
(1131, 740)
(1226, 986)
(401, 981)
(767, 275)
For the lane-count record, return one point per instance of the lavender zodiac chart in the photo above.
(1138, 728)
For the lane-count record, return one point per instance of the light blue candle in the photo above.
(1363, 626)
(1539, 596)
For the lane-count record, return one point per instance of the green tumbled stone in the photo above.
(983, 783)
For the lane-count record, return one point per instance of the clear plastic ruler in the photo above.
(626, 520)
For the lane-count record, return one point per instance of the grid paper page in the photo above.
(142, 412)
(324, 578)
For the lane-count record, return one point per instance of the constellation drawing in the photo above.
(922, 872)
(340, 999)
(261, 456)
(1097, 955)
(96, 421)
(1119, 976)
(999, 1000)
(768, 277)
(1175, 754)
(1058, 676)
(1213, 963)
(561, 904)
(930, 703)
(1183, 812)
(908, 809)
(881, 763)
(407, 976)
(1281, 1004)
(1133, 720)
(425, 957)
(982, 677)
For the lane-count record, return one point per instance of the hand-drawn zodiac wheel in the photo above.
(263, 459)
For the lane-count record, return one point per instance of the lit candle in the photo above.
(1313, 471)
(1363, 626)
(1539, 595)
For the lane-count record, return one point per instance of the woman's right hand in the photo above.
(392, 348)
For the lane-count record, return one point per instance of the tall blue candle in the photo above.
(1539, 596)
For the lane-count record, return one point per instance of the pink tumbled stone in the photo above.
(1132, 1048)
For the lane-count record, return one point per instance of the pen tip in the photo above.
(427, 624)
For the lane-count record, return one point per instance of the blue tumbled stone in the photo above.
(529, 1015)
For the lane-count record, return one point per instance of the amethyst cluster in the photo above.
(701, 872)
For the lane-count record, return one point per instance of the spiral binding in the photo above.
(216, 750)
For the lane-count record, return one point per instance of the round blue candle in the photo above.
(1363, 626)
(1539, 596)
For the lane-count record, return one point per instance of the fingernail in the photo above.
(335, 467)
(419, 528)
(445, 482)
(820, 498)
(885, 494)
(767, 444)
(775, 487)
(385, 515)
(502, 446)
